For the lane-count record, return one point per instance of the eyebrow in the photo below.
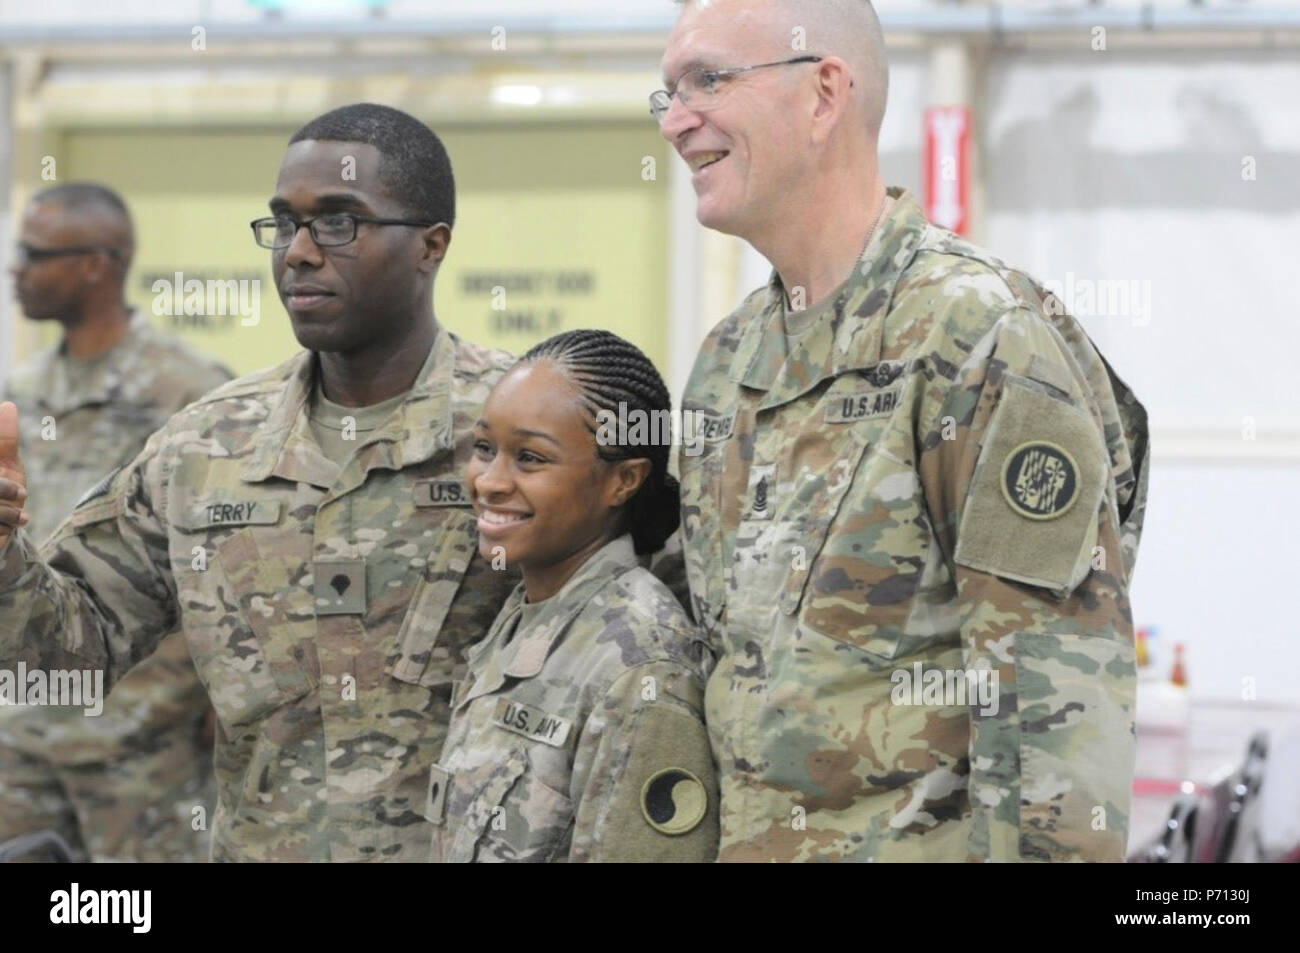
(333, 201)
(520, 432)
(690, 65)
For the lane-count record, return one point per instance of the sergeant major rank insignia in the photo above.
(1040, 480)
(762, 488)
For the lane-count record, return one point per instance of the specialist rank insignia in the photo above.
(673, 801)
(1040, 480)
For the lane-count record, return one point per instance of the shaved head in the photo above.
(74, 251)
(93, 215)
(848, 29)
(776, 106)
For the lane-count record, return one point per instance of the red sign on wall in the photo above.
(947, 167)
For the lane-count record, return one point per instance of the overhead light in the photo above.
(517, 95)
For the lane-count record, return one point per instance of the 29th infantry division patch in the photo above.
(673, 801)
(1040, 480)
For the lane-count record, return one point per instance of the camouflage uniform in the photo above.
(579, 733)
(328, 611)
(122, 785)
(918, 489)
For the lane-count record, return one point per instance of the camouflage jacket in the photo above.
(911, 541)
(74, 427)
(328, 611)
(581, 735)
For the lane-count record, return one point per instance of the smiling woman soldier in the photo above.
(578, 733)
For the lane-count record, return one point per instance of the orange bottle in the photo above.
(1179, 675)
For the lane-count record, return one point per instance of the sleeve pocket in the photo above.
(1031, 513)
(1075, 698)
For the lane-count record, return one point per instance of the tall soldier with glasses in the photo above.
(306, 526)
(912, 528)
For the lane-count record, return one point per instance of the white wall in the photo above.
(1129, 167)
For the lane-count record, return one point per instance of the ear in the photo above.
(437, 238)
(833, 91)
(96, 266)
(624, 479)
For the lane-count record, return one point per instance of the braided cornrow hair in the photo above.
(610, 371)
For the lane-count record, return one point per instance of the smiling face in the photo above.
(364, 294)
(537, 487)
(744, 150)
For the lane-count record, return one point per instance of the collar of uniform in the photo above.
(67, 386)
(845, 338)
(414, 434)
(423, 424)
(532, 647)
(266, 457)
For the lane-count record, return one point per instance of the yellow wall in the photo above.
(562, 211)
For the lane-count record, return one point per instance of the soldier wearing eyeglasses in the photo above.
(121, 785)
(912, 528)
(305, 526)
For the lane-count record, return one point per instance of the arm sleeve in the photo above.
(1022, 491)
(100, 593)
(646, 786)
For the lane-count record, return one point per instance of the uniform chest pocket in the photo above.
(701, 487)
(250, 620)
(501, 811)
(865, 541)
(426, 654)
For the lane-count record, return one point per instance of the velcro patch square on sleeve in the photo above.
(1031, 511)
(663, 806)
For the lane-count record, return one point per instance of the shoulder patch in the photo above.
(1033, 503)
(674, 801)
(1040, 480)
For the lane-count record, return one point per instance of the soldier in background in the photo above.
(122, 785)
(306, 525)
(913, 525)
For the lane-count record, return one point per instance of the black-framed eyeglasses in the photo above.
(698, 89)
(25, 254)
(327, 231)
